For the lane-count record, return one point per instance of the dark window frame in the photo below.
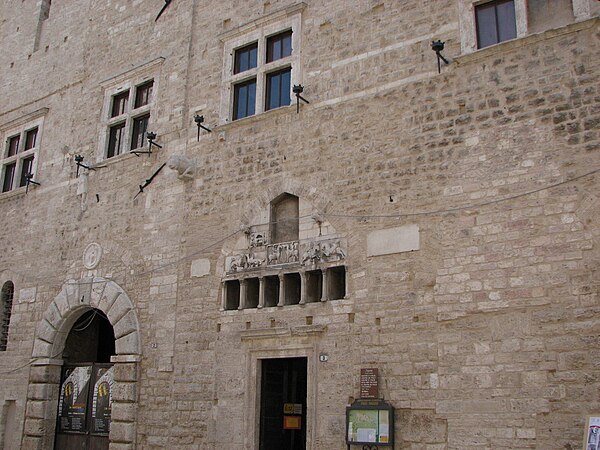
(248, 105)
(29, 142)
(498, 26)
(273, 53)
(281, 94)
(143, 94)
(8, 180)
(12, 145)
(119, 104)
(137, 134)
(115, 149)
(248, 52)
(26, 168)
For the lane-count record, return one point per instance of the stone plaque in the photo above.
(369, 383)
(92, 255)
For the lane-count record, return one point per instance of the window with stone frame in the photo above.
(261, 64)
(21, 144)
(6, 302)
(484, 23)
(129, 117)
(129, 101)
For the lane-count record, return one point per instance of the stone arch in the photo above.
(76, 297)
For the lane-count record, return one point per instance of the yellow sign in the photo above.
(292, 422)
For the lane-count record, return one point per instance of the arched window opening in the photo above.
(6, 310)
(284, 218)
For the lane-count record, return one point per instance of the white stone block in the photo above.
(200, 268)
(393, 240)
(27, 295)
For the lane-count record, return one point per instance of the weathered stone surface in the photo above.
(465, 204)
(393, 240)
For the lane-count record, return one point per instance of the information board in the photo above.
(370, 422)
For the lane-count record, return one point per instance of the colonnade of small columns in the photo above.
(282, 291)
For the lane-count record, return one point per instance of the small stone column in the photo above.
(281, 290)
(302, 288)
(243, 284)
(223, 295)
(324, 293)
(261, 292)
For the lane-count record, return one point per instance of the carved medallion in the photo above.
(92, 255)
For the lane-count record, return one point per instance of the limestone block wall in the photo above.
(485, 334)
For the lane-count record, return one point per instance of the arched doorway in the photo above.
(73, 302)
(85, 395)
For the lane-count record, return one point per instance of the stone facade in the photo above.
(461, 205)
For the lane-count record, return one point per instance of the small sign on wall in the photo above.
(592, 433)
(369, 383)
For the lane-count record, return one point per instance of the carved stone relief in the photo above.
(305, 253)
(282, 253)
(184, 166)
(92, 255)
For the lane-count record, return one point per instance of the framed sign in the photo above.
(370, 422)
(592, 433)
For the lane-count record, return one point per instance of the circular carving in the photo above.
(92, 255)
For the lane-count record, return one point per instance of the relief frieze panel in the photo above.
(308, 253)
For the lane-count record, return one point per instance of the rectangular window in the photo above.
(127, 111)
(495, 22)
(13, 145)
(30, 138)
(278, 89)
(140, 126)
(245, 58)
(19, 157)
(119, 104)
(244, 99)
(26, 168)
(9, 174)
(143, 94)
(279, 46)
(261, 62)
(115, 140)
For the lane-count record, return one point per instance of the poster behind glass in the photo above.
(369, 426)
(73, 399)
(102, 401)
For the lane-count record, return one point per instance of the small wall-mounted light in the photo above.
(437, 47)
(297, 90)
(151, 138)
(29, 180)
(79, 162)
(199, 121)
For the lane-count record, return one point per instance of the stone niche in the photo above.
(307, 267)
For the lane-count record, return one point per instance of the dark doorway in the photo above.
(283, 404)
(85, 397)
